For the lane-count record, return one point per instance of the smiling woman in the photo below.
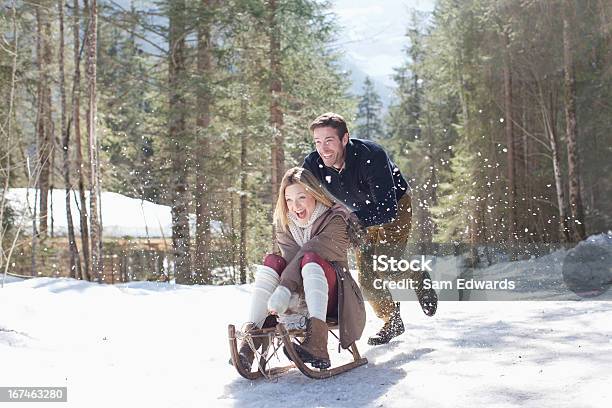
(312, 266)
(298, 196)
(299, 202)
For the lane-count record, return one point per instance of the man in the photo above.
(360, 174)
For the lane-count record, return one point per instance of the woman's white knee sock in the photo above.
(315, 290)
(266, 280)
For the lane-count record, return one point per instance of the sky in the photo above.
(373, 33)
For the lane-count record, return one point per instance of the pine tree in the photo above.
(178, 138)
(369, 122)
(420, 131)
(204, 100)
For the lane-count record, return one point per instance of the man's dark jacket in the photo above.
(369, 184)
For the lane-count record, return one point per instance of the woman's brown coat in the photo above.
(330, 241)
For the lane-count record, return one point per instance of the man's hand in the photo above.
(357, 233)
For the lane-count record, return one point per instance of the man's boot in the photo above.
(313, 349)
(428, 298)
(392, 328)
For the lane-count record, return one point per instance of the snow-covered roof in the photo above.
(121, 215)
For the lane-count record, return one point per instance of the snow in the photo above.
(165, 345)
(121, 215)
(161, 345)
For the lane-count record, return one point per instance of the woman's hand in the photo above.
(279, 301)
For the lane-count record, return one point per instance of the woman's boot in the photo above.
(246, 354)
(313, 349)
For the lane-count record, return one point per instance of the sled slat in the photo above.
(331, 325)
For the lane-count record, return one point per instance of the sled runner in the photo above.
(278, 337)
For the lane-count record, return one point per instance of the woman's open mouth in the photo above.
(301, 214)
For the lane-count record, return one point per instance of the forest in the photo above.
(500, 120)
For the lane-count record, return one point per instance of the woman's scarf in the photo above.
(301, 232)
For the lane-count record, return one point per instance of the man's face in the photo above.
(330, 147)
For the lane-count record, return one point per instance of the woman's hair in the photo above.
(303, 177)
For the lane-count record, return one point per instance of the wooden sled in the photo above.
(279, 336)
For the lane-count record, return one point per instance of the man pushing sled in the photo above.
(344, 187)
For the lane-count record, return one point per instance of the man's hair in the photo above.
(332, 120)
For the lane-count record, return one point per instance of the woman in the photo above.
(313, 240)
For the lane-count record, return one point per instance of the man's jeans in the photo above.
(388, 239)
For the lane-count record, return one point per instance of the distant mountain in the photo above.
(358, 76)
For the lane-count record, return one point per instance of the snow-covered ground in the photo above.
(165, 345)
(161, 345)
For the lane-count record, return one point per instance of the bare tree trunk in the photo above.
(40, 130)
(575, 196)
(232, 231)
(433, 195)
(96, 233)
(176, 133)
(76, 120)
(594, 196)
(75, 261)
(49, 131)
(525, 169)
(6, 169)
(202, 195)
(509, 131)
(276, 113)
(99, 189)
(242, 254)
(34, 234)
(45, 123)
(54, 144)
(51, 187)
(474, 233)
(51, 135)
(427, 197)
(550, 127)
